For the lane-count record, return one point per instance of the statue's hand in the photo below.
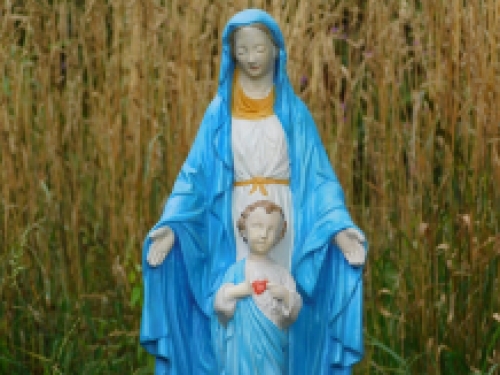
(279, 292)
(350, 241)
(238, 291)
(163, 240)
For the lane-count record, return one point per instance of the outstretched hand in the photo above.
(163, 240)
(350, 241)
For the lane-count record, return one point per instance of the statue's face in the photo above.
(254, 52)
(262, 230)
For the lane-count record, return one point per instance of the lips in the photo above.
(259, 286)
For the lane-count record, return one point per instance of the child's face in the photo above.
(262, 230)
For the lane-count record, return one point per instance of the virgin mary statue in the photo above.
(256, 141)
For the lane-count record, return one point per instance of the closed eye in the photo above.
(241, 51)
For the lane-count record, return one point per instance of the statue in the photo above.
(256, 141)
(257, 300)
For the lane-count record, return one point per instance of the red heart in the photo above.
(259, 286)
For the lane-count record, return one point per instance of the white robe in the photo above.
(260, 150)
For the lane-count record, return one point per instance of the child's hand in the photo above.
(246, 288)
(279, 292)
(240, 290)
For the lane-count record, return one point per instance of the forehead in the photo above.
(259, 214)
(250, 35)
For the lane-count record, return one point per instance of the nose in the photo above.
(263, 233)
(251, 57)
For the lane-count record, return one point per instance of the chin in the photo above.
(260, 251)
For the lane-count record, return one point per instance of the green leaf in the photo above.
(136, 296)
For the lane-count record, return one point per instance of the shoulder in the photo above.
(297, 106)
(303, 123)
(234, 272)
(213, 111)
(211, 118)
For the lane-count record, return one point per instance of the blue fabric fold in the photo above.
(178, 294)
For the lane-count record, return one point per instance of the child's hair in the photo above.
(269, 207)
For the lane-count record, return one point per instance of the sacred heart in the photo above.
(259, 286)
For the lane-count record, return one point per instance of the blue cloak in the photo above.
(178, 294)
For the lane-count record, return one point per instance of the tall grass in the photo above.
(100, 101)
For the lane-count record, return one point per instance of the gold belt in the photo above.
(260, 183)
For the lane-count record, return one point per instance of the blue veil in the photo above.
(178, 294)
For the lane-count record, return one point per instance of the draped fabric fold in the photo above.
(178, 294)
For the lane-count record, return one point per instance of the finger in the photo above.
(273, 286)
(155, 257)
(358, 257)
(354, 254)
(159, 260)
(151, 259)
(361, 254)
(156, 233)
(356, 234)
(350, 255)
(355, 261)
(154, 260)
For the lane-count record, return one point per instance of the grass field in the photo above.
(99, 103)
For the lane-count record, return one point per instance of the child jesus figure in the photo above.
(257, 301)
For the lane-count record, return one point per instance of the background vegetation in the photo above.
(100, 100)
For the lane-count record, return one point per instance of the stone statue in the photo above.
(256, 141)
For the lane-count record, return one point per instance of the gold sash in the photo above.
(260, 183)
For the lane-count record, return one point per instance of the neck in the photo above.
(258, 258)
(256, 88)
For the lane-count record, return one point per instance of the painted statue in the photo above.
(257, 301)
(257, 141)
